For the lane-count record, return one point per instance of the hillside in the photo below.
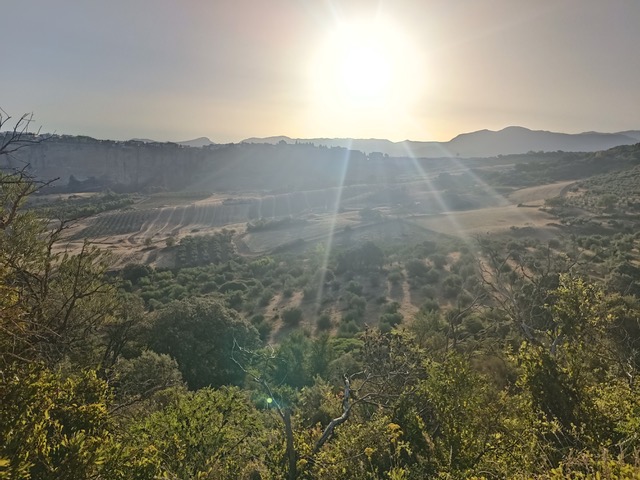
(432, 318)
(483, 143)
(136, 165)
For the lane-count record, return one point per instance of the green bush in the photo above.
(292, 316)
(324, 322)
(354, 287)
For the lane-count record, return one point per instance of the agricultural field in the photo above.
(399, 213)
(484, 221)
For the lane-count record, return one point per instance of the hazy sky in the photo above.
(175, 70)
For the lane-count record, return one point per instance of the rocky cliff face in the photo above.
(133, 164)
(246, 167)
(137, 165)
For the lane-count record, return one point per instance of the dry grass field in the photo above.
(537, 195)
(486, 220)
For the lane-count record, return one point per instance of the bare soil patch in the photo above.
(538, 194)
(486, 220)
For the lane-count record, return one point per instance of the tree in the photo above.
(292, 316)
(519, 285)
(52, 427)
(391, 368)
(199, 334)
(52, 307)
(208, 434)
(364, 257)
(138, 378)
(53, 301)
(63, 299)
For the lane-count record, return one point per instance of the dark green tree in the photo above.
(199, 333)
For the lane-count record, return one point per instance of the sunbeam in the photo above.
(332, 227)
(445, 213)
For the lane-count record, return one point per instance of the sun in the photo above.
(366, 78)
(364, 64)
(364, 70)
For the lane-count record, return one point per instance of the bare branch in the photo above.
(19, 136)
(346, 410)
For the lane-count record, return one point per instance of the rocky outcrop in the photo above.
(134, 164)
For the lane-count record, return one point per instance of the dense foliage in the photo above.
(77, 206)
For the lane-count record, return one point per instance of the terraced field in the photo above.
(136, 233)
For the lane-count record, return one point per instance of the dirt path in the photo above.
(407, 309)
(402, 294)
(538, 194)
(167, 223)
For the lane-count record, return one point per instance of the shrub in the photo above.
(354, 287)
(416, 268)
(324, 322)
(392, 307)
(391, 319)
(432, 277)
(395, 277)
(430, 305)
(428, 291)
(472, 324)
(264, 330)
(438, 260)
(357, 303)
(265, 297)
(135, 271)
(328, 275)
(554, 243)
(233, 287)
(292, 316)
(309, 293)
(352, 316)
(452, 286)
(348, 329)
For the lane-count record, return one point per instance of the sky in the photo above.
(174, 70)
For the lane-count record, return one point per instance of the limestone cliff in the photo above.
(133, 164)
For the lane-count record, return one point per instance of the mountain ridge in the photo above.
(480, 143)
(135, 165)
(196, 142)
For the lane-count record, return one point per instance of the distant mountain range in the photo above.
(483, 143)
(196, 142)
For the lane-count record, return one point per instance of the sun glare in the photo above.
(365, 69)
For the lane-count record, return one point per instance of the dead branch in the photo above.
(19, 136)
